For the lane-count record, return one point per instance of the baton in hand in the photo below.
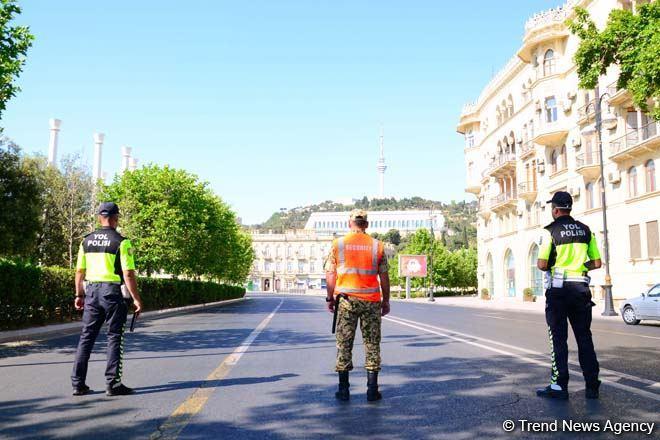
(135, 316)
(334, 317)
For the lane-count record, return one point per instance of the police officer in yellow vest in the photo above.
(353, 268)
(105, 262)
(568, 251)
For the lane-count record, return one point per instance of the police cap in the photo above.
(107, 209)
(561, 200)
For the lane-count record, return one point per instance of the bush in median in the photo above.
(33, 295)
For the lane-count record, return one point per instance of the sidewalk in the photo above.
(56, 330)
(504, 304)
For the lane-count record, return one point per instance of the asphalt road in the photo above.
(263, 368)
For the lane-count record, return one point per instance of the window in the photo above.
(632, 182)
(535, 275)
(589, 193)
(549, 62)
(550, 109)
(510, 270)
(553, 161)
(301, 267)
(266, 267)
(289, 266)
(470, 139)
(278, 267)
(655, 291)
(312, 267)
(635, 247)
(652, 239)
(649, 170)
(562, 156)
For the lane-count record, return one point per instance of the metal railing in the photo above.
(502, 198)
(500, 160)
(587, 158)
(634, 138)
(587, 110)
(526, 147)
(612, 89)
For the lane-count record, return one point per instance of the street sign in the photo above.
(412, 266)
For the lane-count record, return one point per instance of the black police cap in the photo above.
(561, 199)
(106, 209)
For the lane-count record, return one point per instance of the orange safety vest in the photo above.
(358, 256)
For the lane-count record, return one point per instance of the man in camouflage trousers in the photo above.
(353, 268)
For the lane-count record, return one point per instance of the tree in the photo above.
(179, 226)
(20, 203)
(629, 40)
(392, 236)
(16, 40)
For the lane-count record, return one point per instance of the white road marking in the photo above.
(608, 376)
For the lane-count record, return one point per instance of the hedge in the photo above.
(31, 295)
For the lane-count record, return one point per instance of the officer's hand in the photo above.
(331, 306)
(79, 303)
(385, 308)
(138, 305)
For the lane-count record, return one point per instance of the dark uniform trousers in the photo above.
(103, 303)
(572, 302)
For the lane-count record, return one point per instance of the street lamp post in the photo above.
(430, 262)
(607, 287)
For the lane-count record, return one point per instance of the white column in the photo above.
(98, 154)
(52, 145)
(132, 164)
(126, 157)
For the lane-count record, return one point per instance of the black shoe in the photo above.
(81, 390)
(373, 394)
(550, 393)
(592, 392)
(342, 392)
(118, 390)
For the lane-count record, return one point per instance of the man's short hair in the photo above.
(361, 223)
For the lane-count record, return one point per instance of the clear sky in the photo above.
(275, 103)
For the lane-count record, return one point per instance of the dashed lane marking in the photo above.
(181, 416)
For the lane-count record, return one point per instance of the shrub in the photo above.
(33, 295)
(528, 295)
(485, 294)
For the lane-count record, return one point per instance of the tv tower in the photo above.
(381, 167)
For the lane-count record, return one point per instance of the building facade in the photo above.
(531, 133)
(379, 221)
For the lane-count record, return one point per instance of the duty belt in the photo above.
(112, 283)
(584, 279)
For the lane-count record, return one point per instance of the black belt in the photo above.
(110, 283)
(334, 318)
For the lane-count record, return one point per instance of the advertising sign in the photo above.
(412, 266)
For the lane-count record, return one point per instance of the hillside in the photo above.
(460, 217)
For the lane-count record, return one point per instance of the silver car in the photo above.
(646, 306)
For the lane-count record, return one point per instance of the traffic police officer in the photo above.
(568, 251)
(105, 262)
(353, 268)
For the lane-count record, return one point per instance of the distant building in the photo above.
(531, 133)
(379, 221)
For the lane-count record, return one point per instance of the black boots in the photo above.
(551, 393)
(343, 393)
(372, 387)
(592, 391)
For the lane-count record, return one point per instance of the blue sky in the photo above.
(275, 103)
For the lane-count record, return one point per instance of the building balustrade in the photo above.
(526, 149)
(503, 201)
(588, 164)
(636, 142)
(527, 190)
(503, 164)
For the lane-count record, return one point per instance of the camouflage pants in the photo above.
(368, 313)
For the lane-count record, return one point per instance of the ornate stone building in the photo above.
(531, 133)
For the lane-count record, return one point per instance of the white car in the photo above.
(646, 306)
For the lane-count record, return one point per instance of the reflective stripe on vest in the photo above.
(366, 290)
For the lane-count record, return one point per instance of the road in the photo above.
(263, 368)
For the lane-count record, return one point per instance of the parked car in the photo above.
(645, 306)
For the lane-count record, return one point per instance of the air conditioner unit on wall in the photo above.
(575, 191)
(614, 176)
(540, 166)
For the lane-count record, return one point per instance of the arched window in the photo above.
(549, 62)
(550, 109)
(510, 271)
(649, 170)
(490, 273)
(632, 182)
(509, 105)
(535, 275)
(553, 161)
(562, 157)
(589, 193)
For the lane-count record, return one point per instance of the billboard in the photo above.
(412, 266)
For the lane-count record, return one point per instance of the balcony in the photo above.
(527, 149)
(301, 255)
(473, 187)
(503, 165)
(483, 209)
(588, 164)
(635, 143)
(544, 27)
(503, 202)
(551, 133)
(586, 112)
(527, 191)
(618, 96)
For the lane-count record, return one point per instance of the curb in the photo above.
(58, 330)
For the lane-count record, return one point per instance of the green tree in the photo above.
(629, 40)
(179, 226)
(393, 236)
(20, 203)
(16, 40)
